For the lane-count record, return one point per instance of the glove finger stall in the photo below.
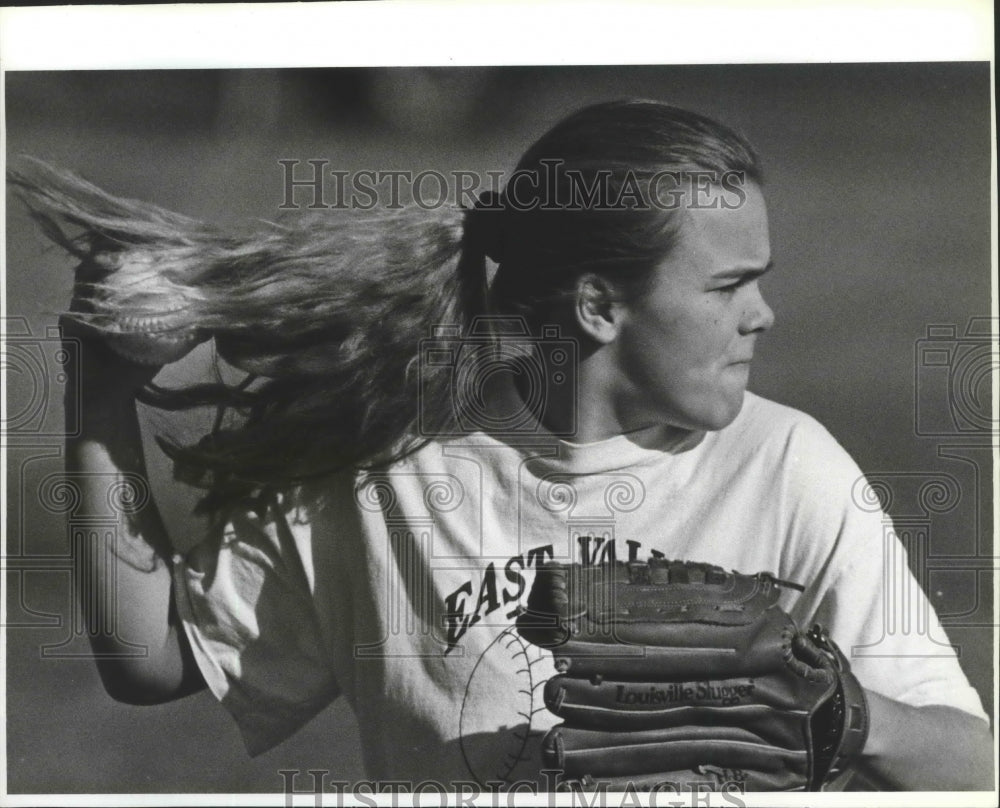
(777, 691)
(621, 706)
(696, 780)
(652, 650)
(583, 753)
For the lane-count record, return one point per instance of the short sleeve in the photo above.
(884, 622)
(245, 600)
(864, 592)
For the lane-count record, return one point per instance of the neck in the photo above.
(599, 409)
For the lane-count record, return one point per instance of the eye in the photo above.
(743, 280)
(729, 288)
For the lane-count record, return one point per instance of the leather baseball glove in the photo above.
(675, 675)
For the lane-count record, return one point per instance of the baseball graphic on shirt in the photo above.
(510, 752)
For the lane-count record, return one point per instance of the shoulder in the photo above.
(820, 487)
(473, 451)
(764, 421)
(788, 437)
(830, 517)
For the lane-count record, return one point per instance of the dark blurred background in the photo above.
(878, 186)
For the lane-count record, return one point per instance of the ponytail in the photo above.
(327, 314)
(324, 314)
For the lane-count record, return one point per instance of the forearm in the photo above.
(933, 748)
(121, 549)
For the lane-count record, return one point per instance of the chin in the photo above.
(719, 416)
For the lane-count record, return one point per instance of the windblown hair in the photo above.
(326, 314)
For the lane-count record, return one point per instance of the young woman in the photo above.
(416, 434)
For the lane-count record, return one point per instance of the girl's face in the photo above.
(684, 348)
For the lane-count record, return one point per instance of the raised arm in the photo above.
(123, 571)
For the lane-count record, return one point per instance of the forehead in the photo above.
(737, 235)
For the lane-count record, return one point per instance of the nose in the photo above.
(757, 316)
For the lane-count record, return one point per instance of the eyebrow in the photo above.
(742, 272)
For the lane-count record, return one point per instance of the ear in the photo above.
(597, 309)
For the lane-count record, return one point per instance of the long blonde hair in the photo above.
(327, 312)
(324, 312)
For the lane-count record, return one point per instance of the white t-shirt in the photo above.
(398, 589)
